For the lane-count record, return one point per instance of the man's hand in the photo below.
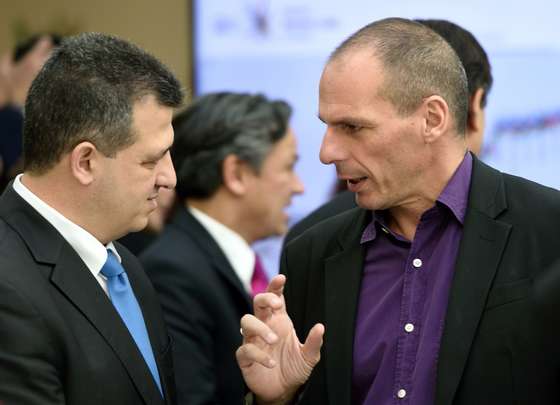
(16, 77)
(273, 361)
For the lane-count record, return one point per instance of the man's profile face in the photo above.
(271, 190)
(131, 181)
(378, 152)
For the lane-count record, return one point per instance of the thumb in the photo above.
(311, 349)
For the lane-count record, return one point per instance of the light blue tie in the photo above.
(126, 305)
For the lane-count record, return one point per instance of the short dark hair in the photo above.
(417, 63)
(472, 55)
(86, 92)
(221, 124)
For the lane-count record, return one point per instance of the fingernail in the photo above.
(271, 363)
(271, 338)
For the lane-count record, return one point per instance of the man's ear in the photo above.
(235, 174)
(84, 161)
(475, 122)
(436, 118)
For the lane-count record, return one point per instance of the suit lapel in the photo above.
(343, 273)
(74, 280)
(484, 239)
(153, 317)
(188, 223)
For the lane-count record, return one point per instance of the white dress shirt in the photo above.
(235, 248)
(91, 251)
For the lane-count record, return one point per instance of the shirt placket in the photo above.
(410, 321)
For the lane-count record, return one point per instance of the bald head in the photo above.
(417, 63)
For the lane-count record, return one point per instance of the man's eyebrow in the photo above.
(159, 155)
(361, 122)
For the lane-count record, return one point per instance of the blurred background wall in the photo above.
(163, 28)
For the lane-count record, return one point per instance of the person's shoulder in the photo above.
(519, 194)
(526, 194)
(176, 253)
(325, 232)
(13, 251)
(340, 203)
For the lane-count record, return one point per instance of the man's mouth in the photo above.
(356, 180)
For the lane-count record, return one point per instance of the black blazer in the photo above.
(491, 350)
(203, 301)
(341, 202)
(61, 339)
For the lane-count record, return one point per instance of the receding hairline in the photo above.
(415, 62)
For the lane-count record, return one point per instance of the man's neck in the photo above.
(222, 211)
(404, 218)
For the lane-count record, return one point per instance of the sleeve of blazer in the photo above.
(190, 323)
(28, 371)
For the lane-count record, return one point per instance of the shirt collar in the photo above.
(235, 248)
(92, 252)
(454, 196)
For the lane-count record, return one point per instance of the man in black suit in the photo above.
(479, 78)
(80, 322)
(422, 294)
(234, 155)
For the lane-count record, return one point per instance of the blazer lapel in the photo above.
(153, 317)
(75, 281)
(484, 239)
(343, 274)
(204, 240)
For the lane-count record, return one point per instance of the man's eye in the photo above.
(349, 128)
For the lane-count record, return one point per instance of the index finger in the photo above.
(277, 284)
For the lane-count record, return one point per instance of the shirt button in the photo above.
(409, 327)
(401, 393)
(417, 263)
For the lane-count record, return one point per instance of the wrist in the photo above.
(290, 397)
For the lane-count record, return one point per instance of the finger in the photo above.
(249, 353)
(276, 285)
(264, 304)
(252, 327)
(42, 48)
(311, 349)
(6, 63)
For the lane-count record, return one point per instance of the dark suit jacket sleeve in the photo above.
(191, 327)
(28, 372)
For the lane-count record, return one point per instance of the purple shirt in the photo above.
(403, 300)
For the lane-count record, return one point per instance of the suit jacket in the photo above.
(203, 301)
(491, 349)
(341, 202)
(61, 339)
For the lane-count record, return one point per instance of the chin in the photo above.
(139, 224)
(368, 204)
(282, 230)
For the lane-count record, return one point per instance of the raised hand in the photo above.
(21, 74)
(273, 361)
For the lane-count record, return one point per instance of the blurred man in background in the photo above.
(235, 156)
